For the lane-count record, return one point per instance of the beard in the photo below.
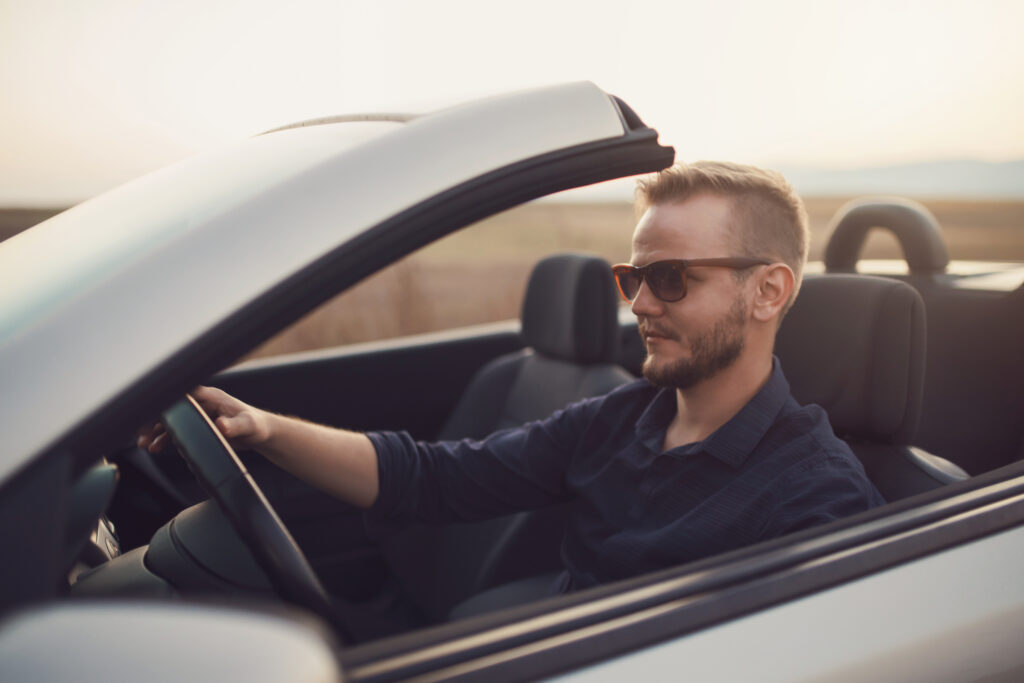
(710, 352)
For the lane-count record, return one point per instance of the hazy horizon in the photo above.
(968, 179)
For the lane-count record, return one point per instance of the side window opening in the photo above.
(474, 276)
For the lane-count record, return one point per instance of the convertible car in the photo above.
(122, 565)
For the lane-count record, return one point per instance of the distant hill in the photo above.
(954, 179)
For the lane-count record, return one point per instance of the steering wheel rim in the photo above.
(224, 477)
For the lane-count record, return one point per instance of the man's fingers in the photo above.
(159, 443)
(151, 430)
(212, 400)
(148, 435)
(236, 427)
(226, 426)
(153, 439)
(228, 413)
(217, 402)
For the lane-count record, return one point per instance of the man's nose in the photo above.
(645, 303)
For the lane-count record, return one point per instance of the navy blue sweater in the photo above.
(774, 468)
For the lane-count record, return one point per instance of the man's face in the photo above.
(693, 339)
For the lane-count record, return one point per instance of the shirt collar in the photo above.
(732, 442)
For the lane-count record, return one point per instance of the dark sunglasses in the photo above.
(667, 279)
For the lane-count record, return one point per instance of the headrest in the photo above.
(570, 309)
(855, 345)
(914, 226)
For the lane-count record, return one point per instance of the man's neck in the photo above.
(704, 407)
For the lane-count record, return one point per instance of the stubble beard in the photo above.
(710, 353)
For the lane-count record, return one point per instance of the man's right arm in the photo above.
(342, 463)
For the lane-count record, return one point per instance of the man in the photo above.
(708, 453)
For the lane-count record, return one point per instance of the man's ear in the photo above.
(774, 286)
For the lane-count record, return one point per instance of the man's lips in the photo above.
(650, 333)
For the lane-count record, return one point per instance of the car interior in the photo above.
(919, 372)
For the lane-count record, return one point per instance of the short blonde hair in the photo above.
(770, 218)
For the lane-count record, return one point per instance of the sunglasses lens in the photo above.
(666, 281)
(629, 282)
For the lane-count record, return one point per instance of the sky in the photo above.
(96, 92)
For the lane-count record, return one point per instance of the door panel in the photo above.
(411, 384)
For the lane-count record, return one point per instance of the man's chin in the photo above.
(668, 375)
(709, 354)
(680, 373)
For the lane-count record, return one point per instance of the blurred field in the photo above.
(479, 274)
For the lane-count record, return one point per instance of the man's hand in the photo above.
(153, 437)
(340, 462)
(241, 424)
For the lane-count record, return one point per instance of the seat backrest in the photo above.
(570, 326)
(973, 409)
(855, 345)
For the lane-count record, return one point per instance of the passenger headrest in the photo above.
(914, 226)
(570, 309)
(855, 345)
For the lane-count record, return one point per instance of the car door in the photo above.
(410, 386)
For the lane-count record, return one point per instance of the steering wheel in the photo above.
(221, 473)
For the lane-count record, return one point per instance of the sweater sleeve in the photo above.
(511, 470)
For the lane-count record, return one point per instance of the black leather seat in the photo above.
(855, 345)
(973, 409)
(570, 327)
(571, 330)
